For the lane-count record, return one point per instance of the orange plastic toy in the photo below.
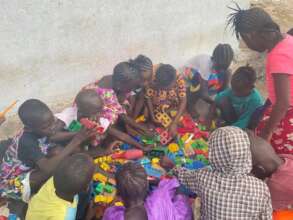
(283, 215)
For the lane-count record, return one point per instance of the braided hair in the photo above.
(124, 73)
(132, 183)
(244, 77)
(249, 20)
(142, 63)
(165, 75)
(222, 56)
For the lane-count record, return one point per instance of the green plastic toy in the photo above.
(75, 126)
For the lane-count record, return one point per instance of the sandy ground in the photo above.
(282, 12)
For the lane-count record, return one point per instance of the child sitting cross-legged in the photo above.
(166, 98)
(227, 190)
(25, 165)
(238, 103)
(58, 197)
(162, 203)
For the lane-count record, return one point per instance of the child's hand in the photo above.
(91, 211)
(83, 135)
(173, 129)
(166, 163)
(2, 120)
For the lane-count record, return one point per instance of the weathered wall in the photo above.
(50, 48)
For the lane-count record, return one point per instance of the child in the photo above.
(162, 203)
(167, 95)
(214, 70)
(278, 170)
(227, 191)
(239, 103)
(58, 198)
(196, 89)
(102, 105)
(25, 167)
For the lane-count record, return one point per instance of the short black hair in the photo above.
(73, 174)
(165, 75)
(142, 62)
(243, 77)
(223, 55)
(124, 72)
(254, 19)
(132, 182)
(33, 112)
(86, 97)
(290, 32)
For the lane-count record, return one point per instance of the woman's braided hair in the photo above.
(249, 20)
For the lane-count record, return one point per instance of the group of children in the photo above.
(47, 165)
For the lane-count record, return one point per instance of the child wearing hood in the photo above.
(227, 191)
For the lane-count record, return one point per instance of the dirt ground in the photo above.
(281, 11)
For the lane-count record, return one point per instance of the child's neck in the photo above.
(65, 197)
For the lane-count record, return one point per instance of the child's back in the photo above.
(227, 191)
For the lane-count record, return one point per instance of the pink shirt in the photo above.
(281, 184)
(280, 60)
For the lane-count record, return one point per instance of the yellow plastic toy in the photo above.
(106, 159)
(155, 162)
(103, 199)
(118, 204)
(100, 177)
(173, 147)
(104, 166)
(140, 119)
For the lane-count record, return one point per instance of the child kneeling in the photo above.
(162, 203)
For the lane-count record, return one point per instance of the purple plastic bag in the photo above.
(162, 203)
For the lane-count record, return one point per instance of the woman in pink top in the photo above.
(261, 33)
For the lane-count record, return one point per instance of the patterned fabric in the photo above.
(112, 107)
(14, 171)
(192, 79)
(216, 82)
(227, 191)
(282, 138)
(166, 100)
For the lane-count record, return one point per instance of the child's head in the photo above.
(290, 31)
(222, 57)
(37, 117)
(126, 78)
(243, 81)
(73, 175)
(229, 151)
(132, 183)
(89, 103)
(264, 158)
(144, 65)
(165, 76)
(255, 26)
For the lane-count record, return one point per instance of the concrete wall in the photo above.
(50, 48)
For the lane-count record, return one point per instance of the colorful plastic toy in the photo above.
(75, 126)
(173, 147)
(103, 199)
(100, 177)
(165, 137)
(283, 215)
(163, 118)
(140, 119)
(105, 159)
(91, 124)
(128, 155)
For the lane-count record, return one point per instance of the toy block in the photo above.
(104, 166)
(153, 172)
(99, 188)
(173, 147)
(140, 119)
(103, 199)
(133, 154)
(108, 188)
(75, 126)
(100, 177)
